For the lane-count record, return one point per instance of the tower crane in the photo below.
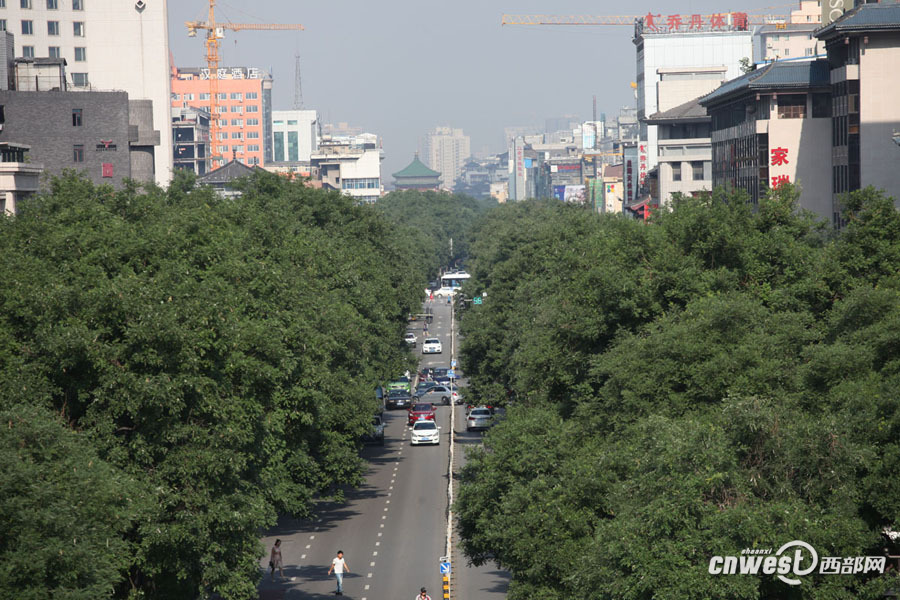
(214, 33)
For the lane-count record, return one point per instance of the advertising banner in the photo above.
(575, 194)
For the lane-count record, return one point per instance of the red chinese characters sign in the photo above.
(657, 23)
(779, 158)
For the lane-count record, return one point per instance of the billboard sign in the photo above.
(659, 23)
(833, 10)
(575, 194)
(630, 156)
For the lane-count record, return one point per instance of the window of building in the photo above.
(52, 27)
(279, 145)
(809, 51)
(237, 135)
(253, 148)
(253, 108)
(54, 52)
(176, 96)
(821, 106)
(223, 135)
(223, 122)
(292, 123)
(188, 96)
(237, 122)
(52, 4)
(293, 146)
(787, 51)
(204, 96)
(792, 106)
(237, 109)
(25, 3)
(252, 95)
(27, 27)
(222, 96)
(28, 51)
(78, 28)
(238, 148)
(77, 115)
(253, 160)
(252, 135)
(237, 96)
(80, 79)
(80, 54)
(2, 3)
(78, 153)
(2, 24)
(223, 148)
(77, 4)
(697, 170)
(676, 171)
(253, 122)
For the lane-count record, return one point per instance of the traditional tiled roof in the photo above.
(228, 173)
(865, 17)
(780, 28)
(691, 110)
(416, 169)
(774, 76)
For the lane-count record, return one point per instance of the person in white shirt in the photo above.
(423, 595)
(339, 566)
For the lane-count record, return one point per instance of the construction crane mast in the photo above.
(214, 33)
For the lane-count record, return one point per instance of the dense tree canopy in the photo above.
(722, 378)
(210, 363)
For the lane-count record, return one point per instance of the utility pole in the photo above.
(298, 84)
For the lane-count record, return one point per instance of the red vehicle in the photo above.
(421, 411)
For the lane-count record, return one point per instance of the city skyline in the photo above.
(382, 75)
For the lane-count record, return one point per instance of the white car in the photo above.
(431, 346)
(479, 418)
(410, 338)
(425, 432)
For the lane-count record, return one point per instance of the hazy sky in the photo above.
(400, 67)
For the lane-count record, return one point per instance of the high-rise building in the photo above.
(294, 134)
(190, 128)
(245, 110)
(446, 151)
(681, 57)
(108, 45)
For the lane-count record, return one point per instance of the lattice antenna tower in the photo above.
(298, 84)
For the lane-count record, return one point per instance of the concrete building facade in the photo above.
(295, 135)
(18, 178)
(190, 128)
(772, 126)
(353, 170)
(108, 45)
(685, 150)
(683, 57)
(244, 110)
(446, 151)
(863, 49)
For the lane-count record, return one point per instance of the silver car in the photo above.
(439, 394)
(479, 418)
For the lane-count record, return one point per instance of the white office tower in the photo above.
(446, 151)
(109, 45)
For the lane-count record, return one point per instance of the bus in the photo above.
(450, 283)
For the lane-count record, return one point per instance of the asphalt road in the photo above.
(393, 529)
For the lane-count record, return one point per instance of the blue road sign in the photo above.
(453, 364)
(445, 568)
(451, 374)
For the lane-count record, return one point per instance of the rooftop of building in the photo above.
(788, 28)
(778, 75)
(233, 169)
(416, 169)
(613, 170)
(864, 18)
(691, 110)
(41, 61)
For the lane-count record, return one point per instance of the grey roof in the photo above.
(691, 110)
(227, 173)
(774, 76)
(865, 17)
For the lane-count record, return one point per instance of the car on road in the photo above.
(420, 411)
(423, 386)
(431, 346)
(469, 407)
(376, 434)
(398, 399)
(401, 383)
(425, 432)
(479, 418)
(437, 394)
(440, 375)
(410, 338)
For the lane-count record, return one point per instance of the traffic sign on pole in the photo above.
(445, 568)
(477, 300)
(453, 363)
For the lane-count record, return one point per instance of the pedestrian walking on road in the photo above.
(275, 560)
(423, 595)
(339, 566)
